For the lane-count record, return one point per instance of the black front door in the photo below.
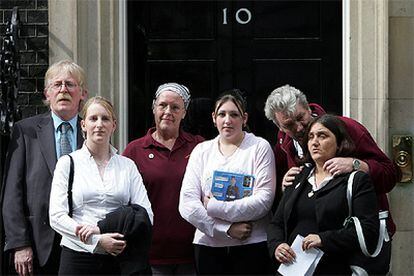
(211, 46)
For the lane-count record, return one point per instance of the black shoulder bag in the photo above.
(364, 263)
(70, 184)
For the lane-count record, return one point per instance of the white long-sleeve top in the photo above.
(253, 157)
(93, 197)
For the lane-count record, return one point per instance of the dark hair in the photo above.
(237, 97)
(234, 95)
(344, 142)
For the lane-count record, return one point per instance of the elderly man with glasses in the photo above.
(36, 144)
(289, 109)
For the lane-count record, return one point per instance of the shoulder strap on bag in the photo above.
(70, 184)
(383, 234)
(349, 192)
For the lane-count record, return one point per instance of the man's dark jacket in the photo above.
(30, 164)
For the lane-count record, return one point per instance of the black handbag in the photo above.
(70, 184)
(364, 263)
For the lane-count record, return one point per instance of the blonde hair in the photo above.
(66, 66)
(101, 101)
(69, 67)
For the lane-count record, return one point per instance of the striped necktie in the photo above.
(65, 147)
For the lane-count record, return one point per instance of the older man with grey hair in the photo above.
(36, 144)
(289, 109)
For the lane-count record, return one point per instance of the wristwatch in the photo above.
(356, 164)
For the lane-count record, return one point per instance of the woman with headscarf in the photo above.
(162, 156)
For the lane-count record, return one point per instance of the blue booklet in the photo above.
(229, 186)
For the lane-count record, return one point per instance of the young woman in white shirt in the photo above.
(231, 235)
(103, 181)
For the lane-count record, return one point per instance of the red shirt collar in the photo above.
(183, 137)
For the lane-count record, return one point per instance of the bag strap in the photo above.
(70, 184)
(349, 192)
(383, 234)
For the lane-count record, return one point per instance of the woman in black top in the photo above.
(315, 206)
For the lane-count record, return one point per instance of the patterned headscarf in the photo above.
(174, 87)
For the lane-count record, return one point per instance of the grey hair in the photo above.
(68, 67)
(284, 99)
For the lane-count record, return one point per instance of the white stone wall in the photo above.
(92, 33)
(368, 61)
(401, 90)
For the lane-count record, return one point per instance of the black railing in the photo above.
(9, 113)
(9, 75)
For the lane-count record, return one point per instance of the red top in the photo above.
(384, 173)
(162, 171)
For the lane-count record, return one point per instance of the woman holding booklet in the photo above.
(315, 206)
(231, 235)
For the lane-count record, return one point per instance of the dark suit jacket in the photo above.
(331, 207)
(30, 163)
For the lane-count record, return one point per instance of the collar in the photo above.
(311, 180)
(85, 151)
(57, 121)
(298, 148)
(183, 137)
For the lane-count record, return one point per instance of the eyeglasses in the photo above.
(58, 84)
(173, 108)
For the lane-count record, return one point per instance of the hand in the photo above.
(338, 165)
(23, 261)
(284, 253)
(206, 200)
(240, 230)
(310, 241)
(112, 243)
(85, 231)
(290, 176)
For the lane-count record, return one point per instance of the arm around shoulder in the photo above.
(384, 173)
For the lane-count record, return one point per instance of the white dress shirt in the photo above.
(93, 197)
(253, 157)
(312, 182)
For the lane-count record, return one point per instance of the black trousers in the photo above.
(250, 259)
(82, 263)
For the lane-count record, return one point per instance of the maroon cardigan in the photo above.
(384, 173)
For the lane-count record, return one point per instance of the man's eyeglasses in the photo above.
(58, 84)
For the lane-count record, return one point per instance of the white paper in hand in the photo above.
(305, 262)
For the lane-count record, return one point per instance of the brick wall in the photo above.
(33, 49)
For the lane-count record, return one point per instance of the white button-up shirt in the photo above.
(93, 197)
